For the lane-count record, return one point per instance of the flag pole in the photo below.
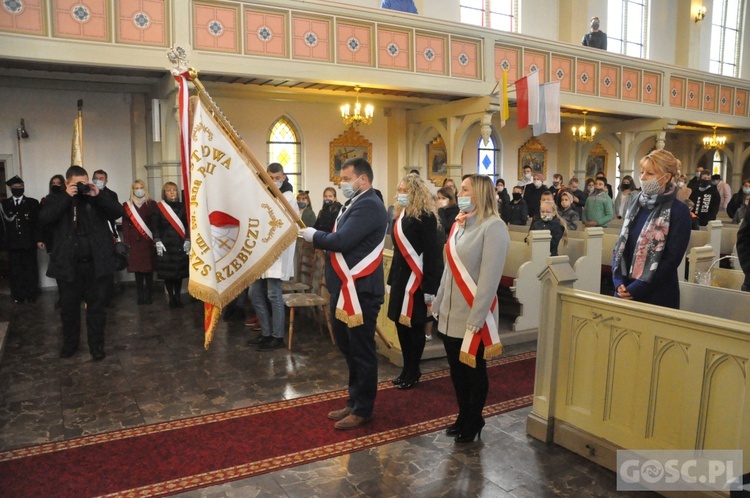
(240, 144)
(80, 127)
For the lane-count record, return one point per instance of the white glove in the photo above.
(473, 329)
(428, 299)
(160, 249)
(308, 234)
(387, 289)
(186, 247)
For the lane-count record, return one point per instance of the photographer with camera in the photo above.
(83, 257)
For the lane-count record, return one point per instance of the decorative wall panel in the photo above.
(622, 378)
(726, 99)
(740, 102)
(710, 97)
(216, 27)
(354, 43)
(73, 19)
(312, 38)
(722, 401)
(586, 77)
(677, 92)
(582, 367)
(23, 17)
(535, 61)
(143, 22)
(395, 49)
(561, 69)
(631, 84)
(465, 58)
(507, 58)
(609, 81)
(694, 95)
(266, 32)
(651, 88)
(667, 391)
(430, 54)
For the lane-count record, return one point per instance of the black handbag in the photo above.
(122, 250)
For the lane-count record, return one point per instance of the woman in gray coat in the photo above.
(466, 302)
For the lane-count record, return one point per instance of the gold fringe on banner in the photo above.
(352, 321)
(493, 350)
(467, 359)
(404, 320)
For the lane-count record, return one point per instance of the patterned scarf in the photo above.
(652, 239)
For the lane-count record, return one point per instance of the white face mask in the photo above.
(465, 205)
(537, 183)
(680, 184)
(651, 187)
(139, 192)
(527, 176)
(278, 184)
(347, 188)
(402, 198)
(547, 217)
(442, 203)
(99, 184)
(500, 188)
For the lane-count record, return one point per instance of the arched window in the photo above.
(487, 158)
(284, 148)
(717, 165)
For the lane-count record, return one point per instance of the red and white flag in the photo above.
(239, 222)
(527, 100)
(549, 109)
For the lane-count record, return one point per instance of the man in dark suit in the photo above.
(22, 238)
(100, 179)
(354, 275)
(83, 256)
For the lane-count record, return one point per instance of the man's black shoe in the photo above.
(98, 355)
(259, 341)
(67, 353)
(274, 343)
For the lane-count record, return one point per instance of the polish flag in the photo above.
(527, 100)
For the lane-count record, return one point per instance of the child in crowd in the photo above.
(548, 219)
(519, 211)
(568, 212)
(305, 208)
(327, 215)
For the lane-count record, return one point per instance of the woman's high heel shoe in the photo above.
(453, 430)
(397, 381)
(408, 384)
(468, 436)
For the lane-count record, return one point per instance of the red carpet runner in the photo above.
(167, 458)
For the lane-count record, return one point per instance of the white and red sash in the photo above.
(172, 218)
(348, 309)
(415, 262)
(132, 212)
(488, 333)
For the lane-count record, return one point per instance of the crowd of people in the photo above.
(449, 251)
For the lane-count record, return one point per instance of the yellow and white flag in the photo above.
(239, 223)
(76, 149)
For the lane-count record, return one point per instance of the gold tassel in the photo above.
(493, 350)
(404, 320)
(467, 359)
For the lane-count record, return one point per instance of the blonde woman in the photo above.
(415, 272)
(172, 242)
(137, 232)
(549, 219)
(654, 236)
(466, 302)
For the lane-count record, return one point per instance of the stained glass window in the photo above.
(284, 148)
(487, 158)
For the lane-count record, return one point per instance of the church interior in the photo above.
(282, 71)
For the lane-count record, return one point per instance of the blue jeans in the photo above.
(271, 321)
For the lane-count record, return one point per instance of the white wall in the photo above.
(49, 116)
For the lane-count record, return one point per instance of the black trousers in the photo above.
(91, 290)
(471, 384)
(23, 273)
(358, 346)
(412, 342)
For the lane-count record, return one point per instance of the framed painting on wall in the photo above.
(596, 161)
(534, 155)
(346, 146)
(437, 161)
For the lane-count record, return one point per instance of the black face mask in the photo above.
(516, 196)
(327, 202)
(55, 188)
(626, 186)
(17, 191)
(705, 183)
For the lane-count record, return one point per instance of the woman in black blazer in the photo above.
(415, 246)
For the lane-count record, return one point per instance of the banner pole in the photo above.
(80, 127)
(240, 144)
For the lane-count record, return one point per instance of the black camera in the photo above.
(83, 188)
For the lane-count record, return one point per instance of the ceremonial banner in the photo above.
(76, 149)
(549, 109)
(527, 99)
(239, 221)
(505, 107)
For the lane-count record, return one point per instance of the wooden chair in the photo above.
(317, 301)
(302, 281)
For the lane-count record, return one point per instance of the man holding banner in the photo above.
(354, 275)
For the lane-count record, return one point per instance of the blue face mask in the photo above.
(402, 198)
(746, 190)
(465, 205)
(347, 188)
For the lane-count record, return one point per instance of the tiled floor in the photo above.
(157, 370)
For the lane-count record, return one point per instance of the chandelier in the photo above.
(357, 117)
(714, 142)
(582, 132)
